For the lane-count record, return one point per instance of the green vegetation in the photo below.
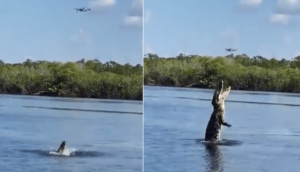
(79, 79)
(240, 72)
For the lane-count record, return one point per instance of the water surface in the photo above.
(101, 135)
(264, 135)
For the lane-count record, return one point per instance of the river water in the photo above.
(101, 135)
(264, 135)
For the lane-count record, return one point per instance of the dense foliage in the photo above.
(240, 72)
(79, 79)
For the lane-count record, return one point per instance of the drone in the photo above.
(82, 9)
(230, 49)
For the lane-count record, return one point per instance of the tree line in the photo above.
(82, 78)
(239, 71)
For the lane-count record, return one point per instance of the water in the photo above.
(100, 135)
(264, 135)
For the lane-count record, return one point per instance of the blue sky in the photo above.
(53, 30)
(269, 28)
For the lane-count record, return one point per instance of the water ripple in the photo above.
(232, 101)
(85, 110)
(76, 153)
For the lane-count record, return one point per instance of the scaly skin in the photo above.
(217, 119)
(61, 147)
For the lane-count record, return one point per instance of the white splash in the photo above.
(66, 152)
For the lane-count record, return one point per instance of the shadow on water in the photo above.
(213, 154)
(231, 101)
(84, 110)
(77, 153)
(65, 99)
(209, 90)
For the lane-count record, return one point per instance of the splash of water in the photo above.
(66, 152)
(223, 142)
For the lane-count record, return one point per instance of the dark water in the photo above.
(101, 135)
(264, 135)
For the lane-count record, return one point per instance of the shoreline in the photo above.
(243, 73)
(70, 97)
(80, 79)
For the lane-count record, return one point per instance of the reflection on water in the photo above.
(213, 153)
(263, 136)
(213, 157)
